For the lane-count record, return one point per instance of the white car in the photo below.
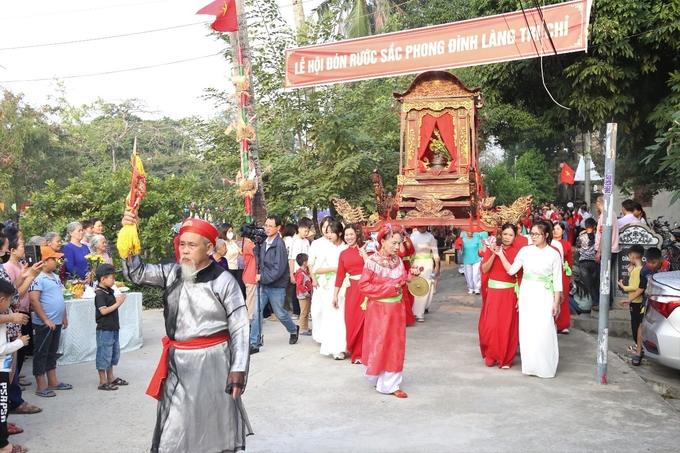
(661, 324)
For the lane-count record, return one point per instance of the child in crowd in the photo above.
(589, 273)
(652, 266)
(303, 290)
(634, 301)
(458, 246)
(108, 327)
(49, 317)
(579, 299)
(6, 354)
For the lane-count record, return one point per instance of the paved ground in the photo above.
(300, 401)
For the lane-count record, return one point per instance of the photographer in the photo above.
(273, 277)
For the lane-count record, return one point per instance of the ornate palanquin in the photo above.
(438, 182)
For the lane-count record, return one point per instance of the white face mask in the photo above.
(230, 235)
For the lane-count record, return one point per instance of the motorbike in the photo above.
(670, 248)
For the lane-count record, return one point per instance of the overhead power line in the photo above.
(54, 13)
(102, 37)
(116, 71)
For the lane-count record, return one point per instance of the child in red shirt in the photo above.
(303, 291)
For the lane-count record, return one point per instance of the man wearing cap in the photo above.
(204, 365)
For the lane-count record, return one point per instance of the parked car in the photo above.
(661, 324)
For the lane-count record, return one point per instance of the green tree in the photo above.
(502, 185)
(533, 168)
(30, 150)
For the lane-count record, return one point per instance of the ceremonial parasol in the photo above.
(418, 286)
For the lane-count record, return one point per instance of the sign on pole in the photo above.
(550, 30)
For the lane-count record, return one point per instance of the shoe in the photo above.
(357, 362)
(296, 317)
(420, 318)
(13, 429)
(294, 336)
(46, 393)
(400, 394)
(505, 367)
(254, 350)
(340, 356)
(273, 318)
(26, 408)
(564, 331)
(107, 386)
(477, 292)
(306, 333)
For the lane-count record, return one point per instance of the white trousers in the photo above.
(386, 382)
(473, 276)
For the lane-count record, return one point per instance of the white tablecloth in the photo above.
(79, 341)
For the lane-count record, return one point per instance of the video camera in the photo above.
(254, 233)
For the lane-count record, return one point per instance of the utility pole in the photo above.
(586, 159)
(240, 50)
(606, 255)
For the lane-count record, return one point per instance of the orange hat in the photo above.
(47, 253)
(200, 227)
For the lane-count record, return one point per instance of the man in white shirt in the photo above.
(299, 245)
(584, 215)
(627, 207)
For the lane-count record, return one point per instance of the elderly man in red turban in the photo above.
(203, 368)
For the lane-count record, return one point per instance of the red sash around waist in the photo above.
(156, 384)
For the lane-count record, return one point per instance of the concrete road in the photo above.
(300, 401)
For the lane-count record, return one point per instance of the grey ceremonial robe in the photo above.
(195, 414)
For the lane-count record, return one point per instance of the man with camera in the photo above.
(273, 275)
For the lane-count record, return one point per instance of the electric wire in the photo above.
(53, 13)
(31, 46)
(115, 71)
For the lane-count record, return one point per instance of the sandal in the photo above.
(46, 393)
(632, 348)
(24, 383)
(13, 429)
(26, 408)
(62, 386)
(108, 386)
(400, 394)
(16, 448)
(119, 381)
(637, 360)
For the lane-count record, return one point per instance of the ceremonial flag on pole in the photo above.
(567, 174)
(225, 15)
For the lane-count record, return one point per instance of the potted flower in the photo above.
(441, 156)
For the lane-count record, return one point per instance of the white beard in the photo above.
(188, 271)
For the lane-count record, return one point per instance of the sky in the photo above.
(171, 90)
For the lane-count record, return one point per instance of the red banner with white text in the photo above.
(550, 30)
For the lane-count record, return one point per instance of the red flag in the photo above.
(567, 174)
(225, 15)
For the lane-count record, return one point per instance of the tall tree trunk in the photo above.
(298, 14)
(259, 204)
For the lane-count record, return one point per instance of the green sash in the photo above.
(325, 280)
(497, 284)
(387, 299)
(538, 278)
